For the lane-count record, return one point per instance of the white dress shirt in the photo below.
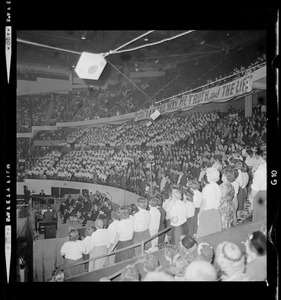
(100, 237)
(178, 210)
(197, 198)
(112, 228)
(87, 243)
(154, 219)
(126, 229)
(141, 220)
(190, 209)
(73, 250)
(212, 195)
(260, 180)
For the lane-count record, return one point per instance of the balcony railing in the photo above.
(142, 244)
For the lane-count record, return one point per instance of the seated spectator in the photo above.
(256, 257)
(231, 262)
(48, 216)
(205, 252)
(158, 276)
(150, 263)
(200, 271)
(130, 273)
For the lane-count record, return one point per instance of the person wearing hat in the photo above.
(72, 252)
(99, 245)
(230, 261)
(256, 256)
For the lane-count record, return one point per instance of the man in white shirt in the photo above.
(178, 216)
(99, 244)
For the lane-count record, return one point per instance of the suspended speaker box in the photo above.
(155, 115)
(90, 66)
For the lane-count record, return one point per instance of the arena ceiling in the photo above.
(188, 47)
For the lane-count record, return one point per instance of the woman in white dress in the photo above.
(209, 218)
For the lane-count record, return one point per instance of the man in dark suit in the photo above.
(26, 194)
(48, 216)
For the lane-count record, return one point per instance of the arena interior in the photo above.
(153, 171)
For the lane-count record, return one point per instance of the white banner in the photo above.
(220, 93)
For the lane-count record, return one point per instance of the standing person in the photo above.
(112, 229)
(243, 179)
(155, 216)
(124, 236)
(226, 208)
(141, 225)
(177, 215)
(162, 225)
(72, 252)
(190, 211)
(230, 174)
(259, 186)
(87, 243)
(209, 219)
(100, 242)
(182, 179)
(195, 187)
(27, 194)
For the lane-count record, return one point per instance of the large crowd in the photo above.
(133, 156)
(191, 210)
(50, 108)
